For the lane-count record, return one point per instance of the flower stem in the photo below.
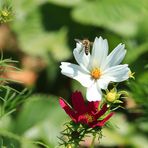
(93, 141)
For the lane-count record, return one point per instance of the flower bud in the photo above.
(69, 146)
(111, 96)
(5, 13)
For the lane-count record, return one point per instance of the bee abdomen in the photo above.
(86, 50)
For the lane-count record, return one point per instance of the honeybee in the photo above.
(86, 44)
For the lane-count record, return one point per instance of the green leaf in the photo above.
(143, 77)
(118, 101)
(8, 142)
(22, 8)
(12, 140)
(121, 17)
(5, 122)
(57, 45)
(41, 118)
(35, 41)
(76, 86)
(134, 52)
(66, 3)
(138, 140)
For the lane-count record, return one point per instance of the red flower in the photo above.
(85, 113)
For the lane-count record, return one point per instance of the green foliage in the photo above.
(66, 3)
(47, 29)
(140, 93)
(11, 99)
(34, 40)
(74, 133)
(123, 133)
(6, 13)
(40, 118)
(121, 17)
(6, 64)
(136, 52)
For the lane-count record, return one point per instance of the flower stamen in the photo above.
(96, 73)
(89, 118)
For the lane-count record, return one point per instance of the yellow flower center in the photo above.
(96, 73)
(89, 117)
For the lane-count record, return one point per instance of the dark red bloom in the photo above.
(88, 114)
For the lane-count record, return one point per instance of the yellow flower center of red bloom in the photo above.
(96, 73)
(89, 118)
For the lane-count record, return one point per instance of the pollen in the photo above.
(89, 118)
(96, 73)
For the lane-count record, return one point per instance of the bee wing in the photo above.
(78, 40)
(91, 43)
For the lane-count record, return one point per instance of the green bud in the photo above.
(111, 96)
(69, 146)
(5, 13)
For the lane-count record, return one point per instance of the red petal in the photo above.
(82, 119)
(78, 102)
(102, 122)
(93, 106)
(67, 109)
(102, 111)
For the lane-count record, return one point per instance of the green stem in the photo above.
(93, 141)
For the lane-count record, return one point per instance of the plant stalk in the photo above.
(93, 141)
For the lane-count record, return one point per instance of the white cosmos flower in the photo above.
(96, 70)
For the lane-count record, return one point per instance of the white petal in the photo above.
(117, 73)
(80, 56)
(77, 73)
(99, 52)
(103, 82)
(115, 57)
(93, 93)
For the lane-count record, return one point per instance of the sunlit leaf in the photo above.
(119, 16)
(65, 3)
(57, 45)
(41, 118)
(35, 41)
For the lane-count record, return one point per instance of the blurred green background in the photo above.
(40, 36)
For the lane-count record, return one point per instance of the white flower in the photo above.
(96, 70)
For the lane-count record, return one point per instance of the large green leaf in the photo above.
(119, 16)
(136, 58)
(35, 41)
(12, 140)
(57, 45)
(23, 7)
(122, 133)
(134, 52)
(41, 118)
(65, 3)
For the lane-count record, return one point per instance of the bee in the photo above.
(86, 44)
